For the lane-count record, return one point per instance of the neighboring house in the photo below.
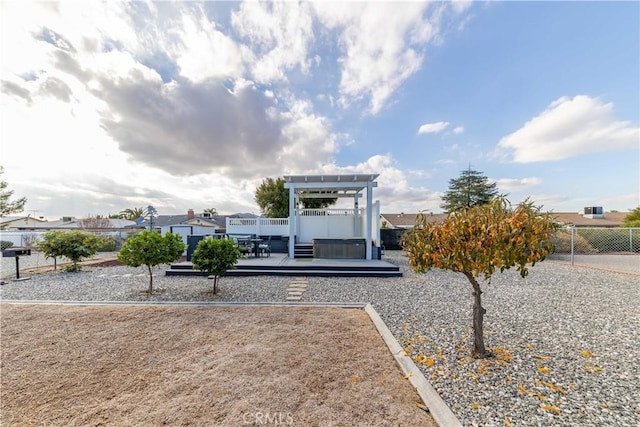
(69, 222)
(207, 222)
(591, 217)
(197, 224)
(26, 233)
(15, 222)
(405, 221)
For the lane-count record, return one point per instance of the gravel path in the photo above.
(565, 339)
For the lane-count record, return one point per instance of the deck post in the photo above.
(369, 219)
(292, 221)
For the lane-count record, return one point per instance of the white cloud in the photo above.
(393, 185)
(458, 130)
(203, 52)
(432, 128)
(374, 62)
(279, 35)
(167, 103)
(569, 127)
(506, 185)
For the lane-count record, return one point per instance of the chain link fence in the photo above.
(612, 248)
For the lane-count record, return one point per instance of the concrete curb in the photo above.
(439, 410)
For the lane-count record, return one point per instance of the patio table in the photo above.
(254, 245)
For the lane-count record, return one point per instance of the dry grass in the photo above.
(150, 365)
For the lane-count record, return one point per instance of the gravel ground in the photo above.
(36, 259)
(565, 339)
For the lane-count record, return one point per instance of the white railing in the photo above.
(258, 226)
(329, 212)
(311, 223)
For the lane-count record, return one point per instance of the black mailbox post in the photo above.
(16, 253)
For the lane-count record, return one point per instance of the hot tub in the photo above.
(339, 248)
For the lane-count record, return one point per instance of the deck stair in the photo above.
(303, 250)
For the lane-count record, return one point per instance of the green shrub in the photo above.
(107, 244)
(150, 248)
(611, 239)
(215, 256)
(74, 245)
(561, 240)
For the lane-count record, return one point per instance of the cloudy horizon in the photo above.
(190, 105)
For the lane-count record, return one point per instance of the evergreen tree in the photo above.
(471, 189)
(7, 207)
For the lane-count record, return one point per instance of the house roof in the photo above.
(610, 219)
(408, 220)
(169, 220)
(74, 223)
(10, 219)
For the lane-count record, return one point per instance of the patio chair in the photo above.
(265, 247)
(242, 243)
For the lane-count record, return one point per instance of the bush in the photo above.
(74, 245)
(107, 244)
(561, 240)
(215, 256)
(597, 240)
(610, 239)
(5, 244)
(150, 248)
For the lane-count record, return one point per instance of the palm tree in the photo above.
(211, 211)
(132, 214)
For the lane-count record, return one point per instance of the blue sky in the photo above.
(108, 106)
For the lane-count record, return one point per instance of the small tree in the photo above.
(470, 189)
(210, 211)
(151, 248)
(74, 245)
(476, 241)
(215, 256)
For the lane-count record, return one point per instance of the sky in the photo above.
(107, 106)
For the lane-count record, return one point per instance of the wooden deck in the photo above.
(281, 265)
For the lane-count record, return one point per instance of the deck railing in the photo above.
(258, 226)
(312, 223)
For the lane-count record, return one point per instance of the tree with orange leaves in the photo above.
(476, 241)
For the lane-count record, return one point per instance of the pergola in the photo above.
(330, 186)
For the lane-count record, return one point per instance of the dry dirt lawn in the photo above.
(200, 366)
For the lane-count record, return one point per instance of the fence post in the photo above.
(573, 229)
